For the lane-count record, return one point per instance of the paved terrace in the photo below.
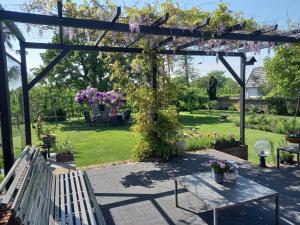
(143, 193)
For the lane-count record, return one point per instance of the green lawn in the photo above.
(96, 144)
(208, 122)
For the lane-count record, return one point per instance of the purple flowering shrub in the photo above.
(91, 96)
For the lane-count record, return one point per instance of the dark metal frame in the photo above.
(9, 17)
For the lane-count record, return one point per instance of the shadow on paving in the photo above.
(143, 193)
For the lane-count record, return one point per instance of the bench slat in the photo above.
(13, 169)
(81, 203)
(68, 197)
(35, 192)
(57, 199)
(21, 211)
(62, 201)
(87, 199)
(40, 201)
(75, 200)
(98, 213)
(23, 165)
(24, 184)
(52, 202)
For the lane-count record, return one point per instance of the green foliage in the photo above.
(157, 137)
(271, 123)
(59, 115)
(283, 71)
(65, 147)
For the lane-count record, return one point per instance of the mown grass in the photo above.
(101, 144)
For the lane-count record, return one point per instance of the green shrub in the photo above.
(277, 105)
(158, 137)
(272, 123)
(60, 114)
(198, 143)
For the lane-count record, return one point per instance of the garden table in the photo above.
(217, 196)
(295, 149)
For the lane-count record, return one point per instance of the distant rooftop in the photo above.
(256, 78)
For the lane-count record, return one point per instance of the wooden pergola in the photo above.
(192, 36)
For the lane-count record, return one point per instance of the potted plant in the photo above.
(48, 137)
(231, 170)
(222, 141)
(64, 152)
(218, 169)
(287, 158)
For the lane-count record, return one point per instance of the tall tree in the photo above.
(283, 71)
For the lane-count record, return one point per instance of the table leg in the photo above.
(277, 210)
(278, 158)
(215, 217)
(176, 193)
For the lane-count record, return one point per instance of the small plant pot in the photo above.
(231, 175)
(64, 157)
(219, 178)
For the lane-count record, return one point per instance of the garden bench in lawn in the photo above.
(37, 196)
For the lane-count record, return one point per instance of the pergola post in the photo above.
(154, 82)
(242, 99)
(25, 94)
(6, 128)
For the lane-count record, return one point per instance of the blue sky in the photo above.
(263, 11)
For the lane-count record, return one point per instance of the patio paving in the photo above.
(143, 193)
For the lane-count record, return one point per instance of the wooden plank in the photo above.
(52, 201)
(80, 197)
(87, 199)
(57, 198)
(14, 167)
(21, 209)
(28, 205)
(98, 213)
(43, 200)
(62, 201)
(24, 163)
(68, 197)
(46, 211)
(40, 200)
(75, 200)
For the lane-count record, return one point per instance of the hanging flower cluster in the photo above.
(134, 24)
(91, 96)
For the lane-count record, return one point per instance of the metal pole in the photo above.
(6, 127)
(25, 95)
(242, 100)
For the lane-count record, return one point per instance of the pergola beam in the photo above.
(33, 45)
(238, 26)
(156, 23)
(112, 19)
(47, 69)
(13, 28)
(121, 27)
(265, 30)
(60, 15)
(163, 42)
(231, 70)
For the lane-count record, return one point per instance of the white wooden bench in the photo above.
(37, 196)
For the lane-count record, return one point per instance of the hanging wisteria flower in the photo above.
(134, 24)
